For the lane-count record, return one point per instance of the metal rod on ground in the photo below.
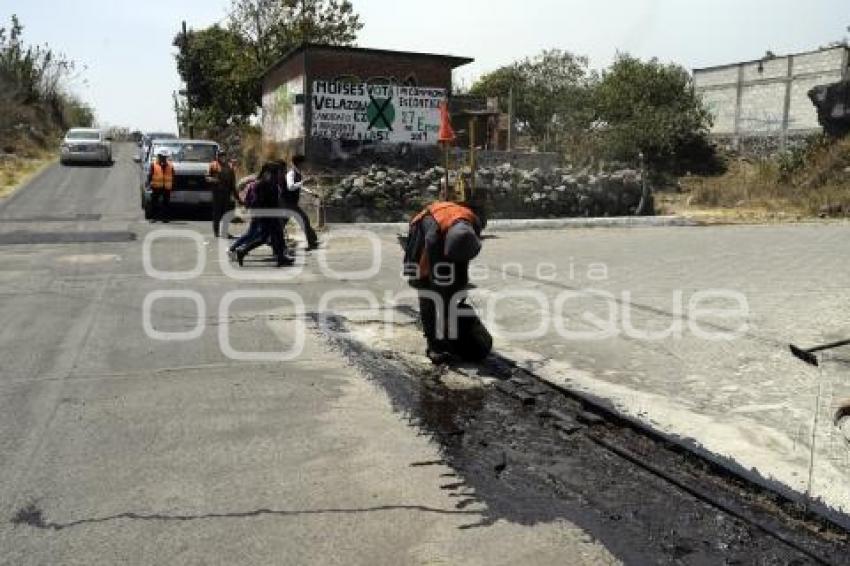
(814, 440)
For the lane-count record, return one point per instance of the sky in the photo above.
(126, 59)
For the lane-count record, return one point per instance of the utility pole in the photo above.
(191, 123)
(511, 119)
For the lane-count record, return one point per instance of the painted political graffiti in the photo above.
(375, 112)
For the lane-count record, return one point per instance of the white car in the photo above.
(86, 144)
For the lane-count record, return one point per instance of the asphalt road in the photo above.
(119, 447)
(150, 412)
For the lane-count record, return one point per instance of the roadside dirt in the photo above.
(16, 171)
(678, 204)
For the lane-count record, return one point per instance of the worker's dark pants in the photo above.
(434, 309)
(221, 204)
(304, 222)
(160, 199)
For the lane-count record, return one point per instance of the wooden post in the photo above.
(468, 197)
(510, 118)
(449, 193)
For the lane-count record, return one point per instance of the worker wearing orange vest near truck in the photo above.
(441, 242)
(161, 181)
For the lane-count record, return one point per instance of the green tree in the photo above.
(273, 27)
(550, 95)
(651, 108)
(222, 66)
(221, 81)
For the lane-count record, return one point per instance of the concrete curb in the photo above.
(538, 224)
(752, 476)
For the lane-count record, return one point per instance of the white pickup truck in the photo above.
(191, 160)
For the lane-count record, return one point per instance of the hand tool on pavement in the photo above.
(808, 354)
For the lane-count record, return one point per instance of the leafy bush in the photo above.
(36, 109)
(651, 108)
(793, 160)
(633, 107)
(551, 96)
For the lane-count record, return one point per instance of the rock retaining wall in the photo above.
(386, 194)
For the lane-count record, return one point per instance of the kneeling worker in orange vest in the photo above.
(161, 181)
(442, 240)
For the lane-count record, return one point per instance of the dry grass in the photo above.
(819, 184)
(14, 171)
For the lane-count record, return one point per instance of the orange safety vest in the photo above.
(163, 177)
(447, 214)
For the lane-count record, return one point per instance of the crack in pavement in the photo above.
(31, 515)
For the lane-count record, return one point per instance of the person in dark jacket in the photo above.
(442, 240)
(222, 180)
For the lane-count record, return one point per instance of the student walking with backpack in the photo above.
(263, 195)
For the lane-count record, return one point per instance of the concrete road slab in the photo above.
(117, 447)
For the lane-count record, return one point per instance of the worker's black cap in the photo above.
(462, 243)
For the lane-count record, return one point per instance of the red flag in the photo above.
(446, 134)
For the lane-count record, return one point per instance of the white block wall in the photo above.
(715, 77)
(721, 103)
(771, 69)
(762, 108)
(763, 93)
(820, 62)
(803, 115)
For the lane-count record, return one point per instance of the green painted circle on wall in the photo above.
(381, 113)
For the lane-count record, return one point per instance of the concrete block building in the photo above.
(765, 101)
(334, 103)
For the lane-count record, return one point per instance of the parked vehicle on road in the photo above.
(191, 159)
(147, 138)
(88, 145)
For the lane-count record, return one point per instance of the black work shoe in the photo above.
(240, 257)
(314, 246)
(284, 261)
(438, 358)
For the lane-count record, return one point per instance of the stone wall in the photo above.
(385, 194)
(762, 146)
(518, 159)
